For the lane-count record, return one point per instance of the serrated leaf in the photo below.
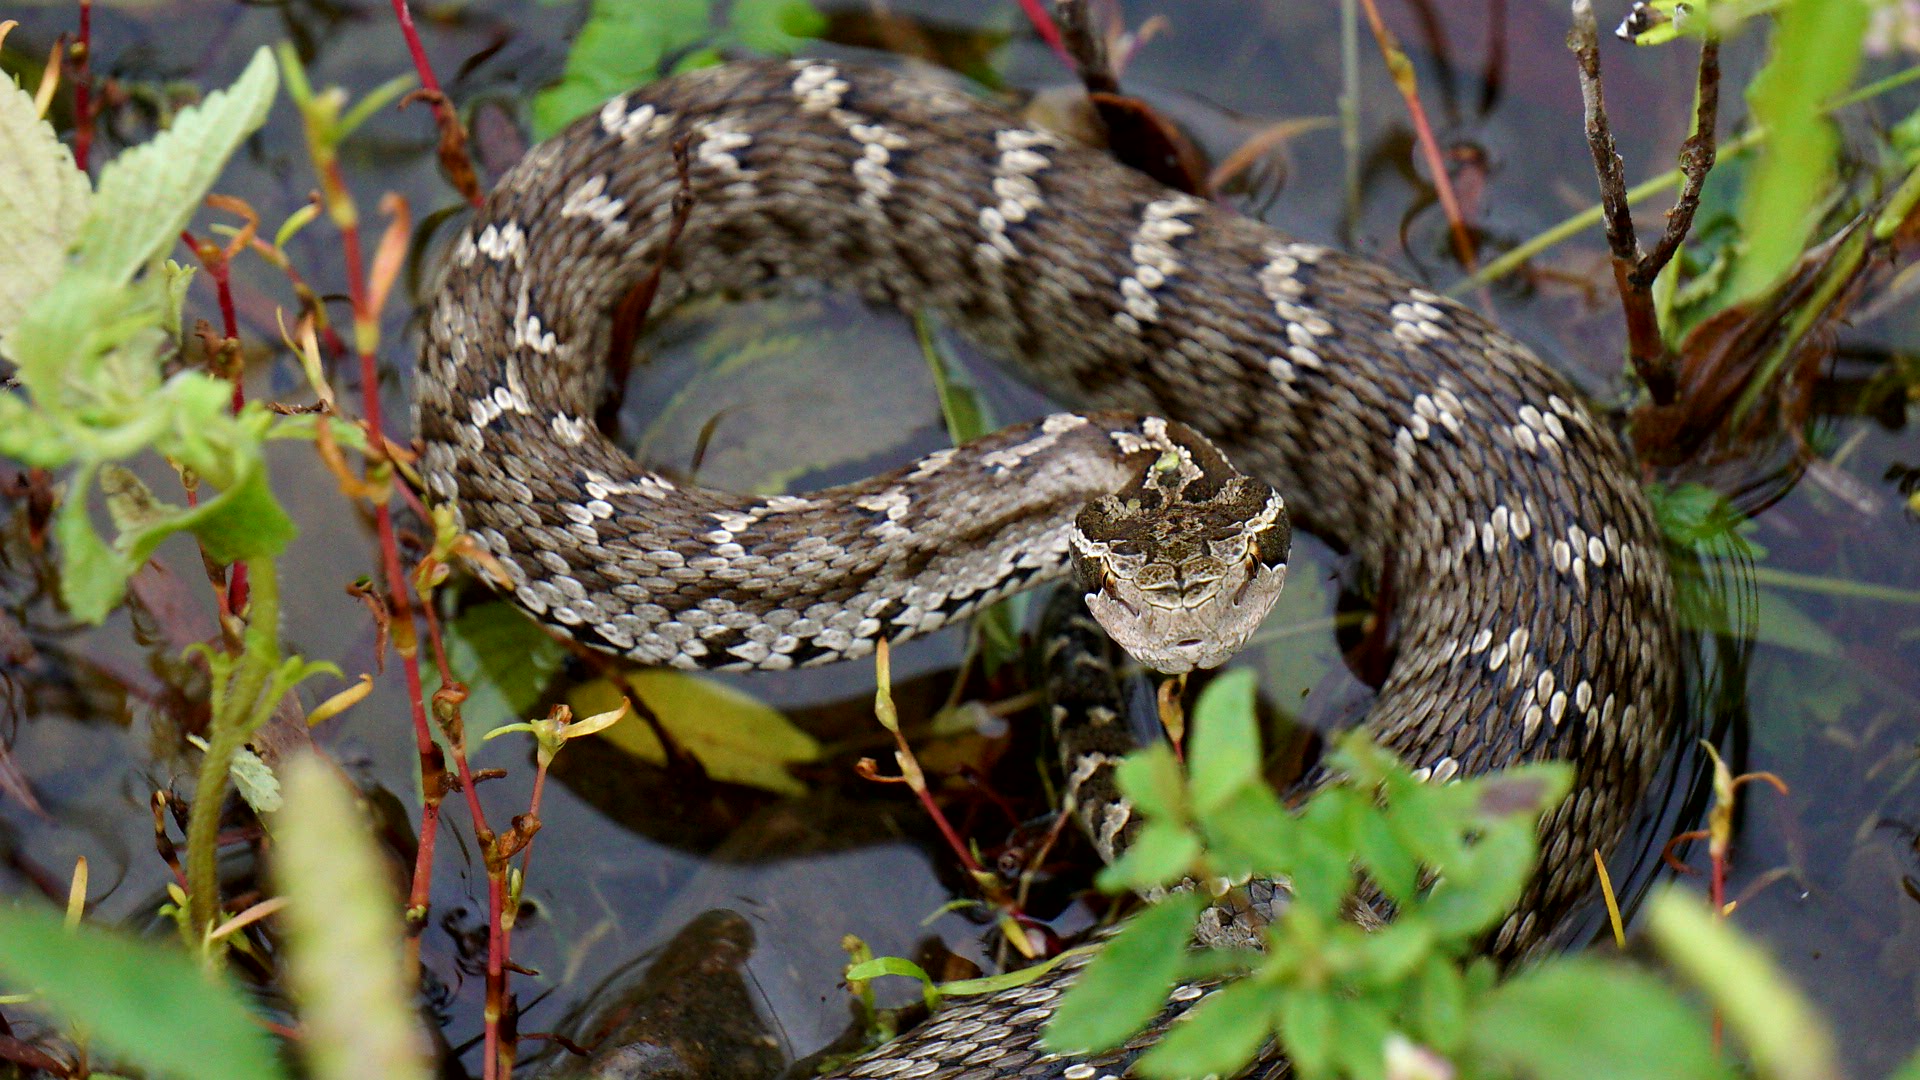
(620, 46)
(1216, 1037)
(1223, 754)
(343, 934)
(737, 737)
(142, 1003)
(255, 781)
(43, 202)
(147, 194)
(1126, 984)
(242, 522)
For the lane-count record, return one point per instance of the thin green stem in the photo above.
(1591, 216)
(236, 715)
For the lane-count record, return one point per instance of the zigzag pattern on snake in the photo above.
(1532, 613)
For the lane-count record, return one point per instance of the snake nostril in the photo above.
(1190, 643)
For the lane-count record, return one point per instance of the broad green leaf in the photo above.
(344, 938)
(1223, 753)
(1127, 983)
(1250, 832)
(896, 965)
(1392, 953)
(141, 1002)
(775, 26)
(1562, 1020)
(737, 737)
(1360, 1032)
(43, 201)
(1162, 854)
(1784, 1035)
(241, 523)
(506, 660)
(1390, 863)
(621, 46)
(1151, 778)
(1306, 1029)
(1815, 47)
(1475, 893)
(1438, 1006)
(147, 194)
(1217, 1037)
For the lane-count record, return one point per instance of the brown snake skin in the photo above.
(1531, 601)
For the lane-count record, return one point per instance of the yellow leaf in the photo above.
(737, 737)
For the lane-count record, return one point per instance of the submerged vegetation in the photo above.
(1782, 229)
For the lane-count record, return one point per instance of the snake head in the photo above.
(1183, 564)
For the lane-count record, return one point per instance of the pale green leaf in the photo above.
(141, 1002)
(43, 201)
(344, 938)
(736, 737)
(255, 781)
(92, 576)
(148, 193)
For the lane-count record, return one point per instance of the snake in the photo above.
(1528, 603)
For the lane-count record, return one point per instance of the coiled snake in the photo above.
(1531, 603)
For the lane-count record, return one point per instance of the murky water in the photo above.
(1828, 698)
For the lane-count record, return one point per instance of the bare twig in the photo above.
(1697, 156)
(1633, 270)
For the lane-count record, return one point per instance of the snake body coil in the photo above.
(1531, 602)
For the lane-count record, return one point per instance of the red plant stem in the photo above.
(1043, 24)
(83, 89)
(405, 14)
(1423, 133)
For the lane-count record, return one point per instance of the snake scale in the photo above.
(1531, 605)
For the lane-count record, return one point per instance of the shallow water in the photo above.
(1828, 699)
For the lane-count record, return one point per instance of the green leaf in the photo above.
(621, 46)
(1217, 1037)
(92, 576)
(1250, 833)
(1391, 954)
(1127, 983)
(737, 737)
(1388, 861)
(43, 200)
(1162, 854)
(1306, 1029)
(1151, 778)
(895, 965)
(1475, 893)
(1561, 1020)
(141, 1002)
(1815, 51)
(1223, 753)
(778, 27)
(1784, 1035)
(344, 935)
(148, 193)
(1360, 1031)
(1438, 1000)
